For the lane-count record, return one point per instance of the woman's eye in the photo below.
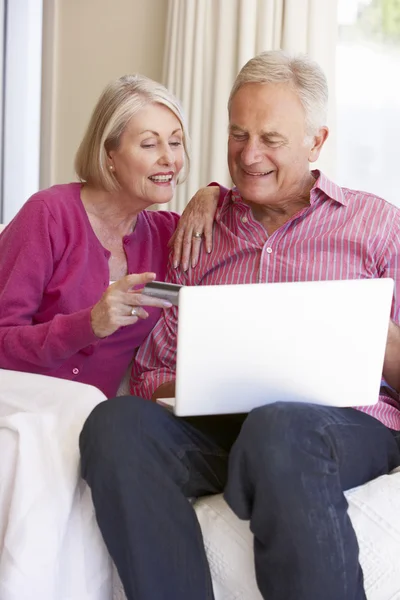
(175, 144)
(148, 145)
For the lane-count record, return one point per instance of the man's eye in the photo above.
(238, 137)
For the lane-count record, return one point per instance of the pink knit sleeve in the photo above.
(155, 361)
(27, 255)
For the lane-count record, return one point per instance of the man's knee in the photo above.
(278, 432)
(112, 430)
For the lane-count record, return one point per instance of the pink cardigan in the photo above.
(53, 269)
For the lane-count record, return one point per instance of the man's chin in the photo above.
(257, 192)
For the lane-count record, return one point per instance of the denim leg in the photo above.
(142, 464)
(287, 472)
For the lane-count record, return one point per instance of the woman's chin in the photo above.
(163, 200)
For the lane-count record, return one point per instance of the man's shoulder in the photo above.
(371, 200)
(351, 197)
(363, 195)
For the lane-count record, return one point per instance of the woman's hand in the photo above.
(120, 305)
(195, 223)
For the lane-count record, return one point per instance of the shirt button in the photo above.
(244, 219)
(75, 371)
(269, 250)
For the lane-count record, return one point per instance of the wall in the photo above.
(86, 44)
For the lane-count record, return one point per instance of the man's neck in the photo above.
(273, 215)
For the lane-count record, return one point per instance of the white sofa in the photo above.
(374, 510)
(375, 513)
(50, 545)
(51, 548)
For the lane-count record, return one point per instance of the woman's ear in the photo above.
(110, 161)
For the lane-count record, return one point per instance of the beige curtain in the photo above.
(208, 41)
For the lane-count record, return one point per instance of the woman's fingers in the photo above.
(197, 238)
(195, 223)
(208, 234)
(137, 299)
(130, 281)
(138, 312)
(176, 241)
(120, 305)
(187, 247)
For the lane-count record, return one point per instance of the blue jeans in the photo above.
(284, 466)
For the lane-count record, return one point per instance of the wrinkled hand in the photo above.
(198, 217)
(114, 309)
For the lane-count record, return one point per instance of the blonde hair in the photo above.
(304, 74)
(120, 100)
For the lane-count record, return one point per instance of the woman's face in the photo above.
(150, 156)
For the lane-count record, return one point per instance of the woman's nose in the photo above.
(168, 156)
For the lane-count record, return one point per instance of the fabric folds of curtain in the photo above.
(208, 41)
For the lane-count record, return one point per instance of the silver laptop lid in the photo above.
(240, 346)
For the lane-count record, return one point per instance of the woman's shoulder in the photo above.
(65, 195)
(161, 221)
(48, 205)
(45, 215)
(53, 212)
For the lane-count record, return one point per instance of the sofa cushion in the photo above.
(374, 509)
(229, 547)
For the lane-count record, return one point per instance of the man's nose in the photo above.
(251, 153)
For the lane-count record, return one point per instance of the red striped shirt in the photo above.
(342, 234)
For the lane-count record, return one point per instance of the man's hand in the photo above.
(166, 390)
(391, 365)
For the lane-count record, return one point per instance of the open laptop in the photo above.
(241, 346)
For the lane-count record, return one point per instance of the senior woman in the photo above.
(72, 264)
(75, 257)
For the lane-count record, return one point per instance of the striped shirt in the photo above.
(342, 234)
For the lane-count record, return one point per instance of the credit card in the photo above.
(162, 290)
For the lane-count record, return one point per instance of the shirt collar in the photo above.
(325, 185)
(322, 184)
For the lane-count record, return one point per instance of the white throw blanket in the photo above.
(50, 545)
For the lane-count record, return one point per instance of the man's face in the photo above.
(268, 147)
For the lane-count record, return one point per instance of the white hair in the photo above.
(120, 100)
(304, 74)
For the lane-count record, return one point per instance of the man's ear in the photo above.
(318, 141)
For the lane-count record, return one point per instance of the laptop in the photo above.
(242, 346)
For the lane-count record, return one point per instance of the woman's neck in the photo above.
(111, 209)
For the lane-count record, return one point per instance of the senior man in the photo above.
(285, 465)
